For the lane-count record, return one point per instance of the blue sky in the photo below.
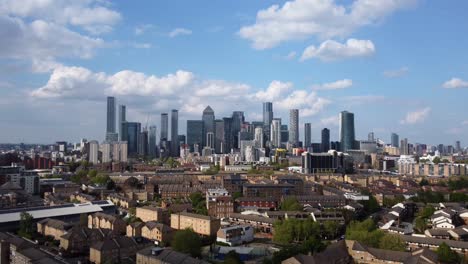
(399, 65)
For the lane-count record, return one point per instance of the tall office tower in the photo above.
(259, 137)
(174, 133)
(110, 131)
(325, 144)
(228, 138)
(143, 143)
(347, 137)
(164, 135)
(238, 120)
(370, 136)
(395, 139)
(210, 140)
(208, 118)
(441, 149)
(294, 127)
(219, 136)
(404, 147)
(194, 133)
(152, 142)
(267, 118)
(284, 134)
(133, 137)
(307, 135)
(93, 156)
(458, 146)
(275, 132)
(122, 119)
(106, 152)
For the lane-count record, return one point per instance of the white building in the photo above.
(235, 235)
(275, 132)
(93, 152)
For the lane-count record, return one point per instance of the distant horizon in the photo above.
(399, 66)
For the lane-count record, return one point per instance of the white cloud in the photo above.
(91, 15)
(291, 55)
(220, 88)
(275, 90)
(308, 103)
(330, 121)
(181, 90)
(417, 116)
(43, 40)
(396, 73)
(179, 32)
(139, 30)
(340, 84)
(301, 19)
(67, 82)
(331, 50)
(455, 83)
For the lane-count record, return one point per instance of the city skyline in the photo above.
(139, 54)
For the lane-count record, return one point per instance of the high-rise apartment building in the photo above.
(143, 143)
(111, 135)
(174, 133)
(93, 155)
(294, 126)
(258, 138)
(347, 136)
(307, 135)
(275, 132)
(404, 149)
(164, 135)
(325, 144)
(371, 137)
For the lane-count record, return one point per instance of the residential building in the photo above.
(294, 127)
(53, 228)
(106, 221)
(111, 134)
(156, 255)
(307, 135)
(152, 213)
(275, 135)
(235, 235)
(219, 203)
(116, 250)
(158, 232)
(201, 224)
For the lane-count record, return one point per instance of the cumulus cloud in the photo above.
(91, 15)
(301, 19)
(291, 55)
(336, 85)
(417, 116)
(41, 39)
(330, 121)
(455, 83)
(275, 90)
(181, 90)
(179, 32)
(331, 50)
(396, 73)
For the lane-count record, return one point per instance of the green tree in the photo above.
(330, 229)
(196, 198)
(392, 242)
(423, 182)
(447, 255)
(237, 195)
(92, 173)
(232, 257)
(100, 179)
(291, 204)
(426, 212)
(436, 160)
(26, 226)
(365, 232)
(187, 241)
(371, 205)
(420, 224)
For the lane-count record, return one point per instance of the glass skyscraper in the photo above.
(195, 134)
(395, 140)
(111, 135)
(325, 144)
(133, 136)
(175, 133)
(307, 135)
(122, 119)
(208, 118)
(347, 136)
(267, 118)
